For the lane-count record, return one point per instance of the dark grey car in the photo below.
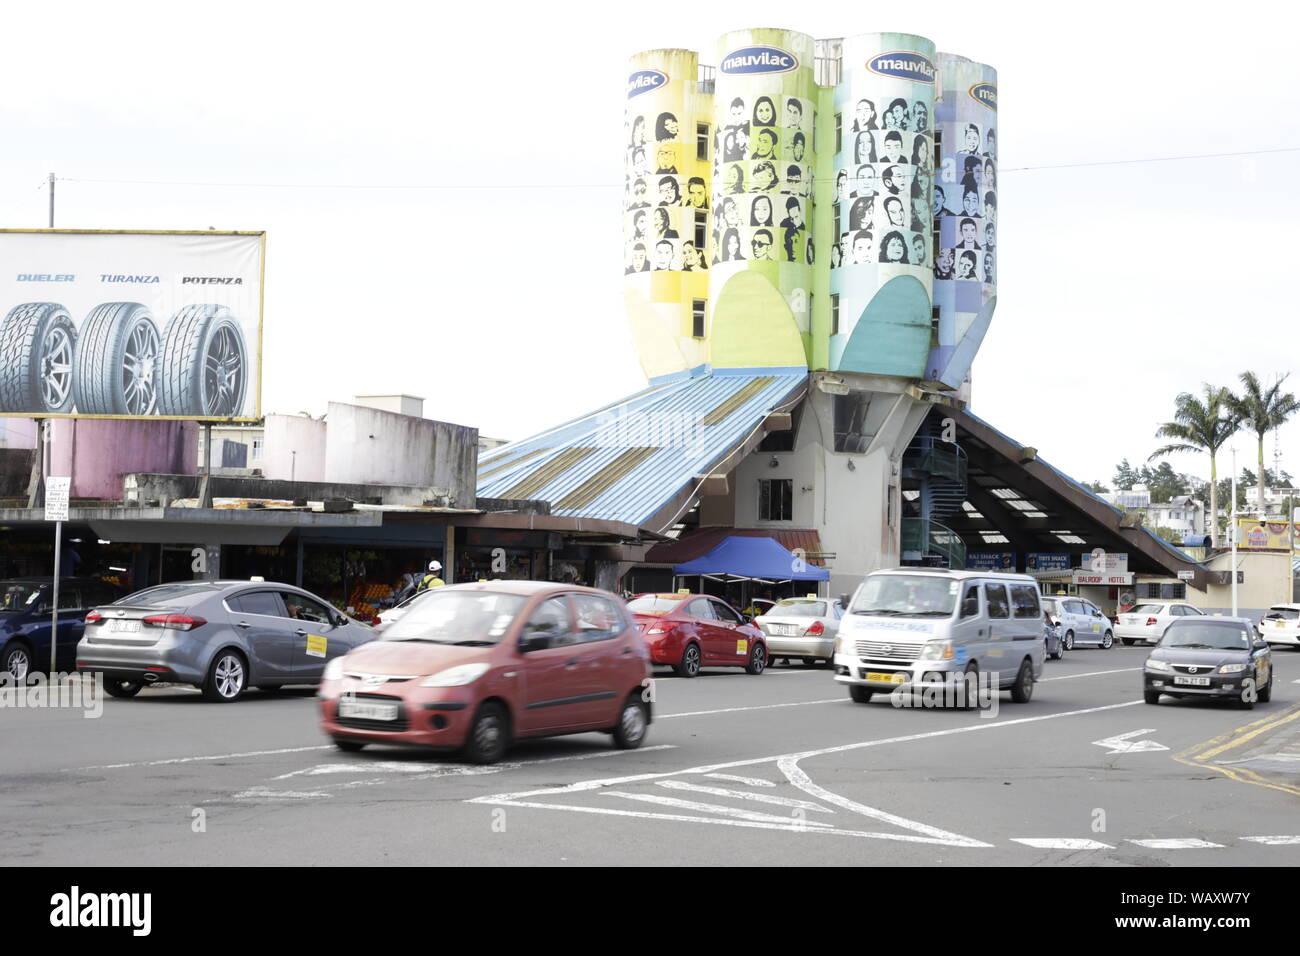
(220, 636)
(1210, 657)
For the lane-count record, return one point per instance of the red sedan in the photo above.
(690, 631)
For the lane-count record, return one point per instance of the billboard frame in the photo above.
(261, 312)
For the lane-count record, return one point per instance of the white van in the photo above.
(911, 626)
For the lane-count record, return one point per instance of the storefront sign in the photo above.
(990, 560)
(1104, 579)
(1267, 535)
(1047, 561)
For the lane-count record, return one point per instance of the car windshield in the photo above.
(1282, 614)
(1216, 636)
(1148, 609)
(906, 595)
(18, 597)
(798, 609)
(180, 594)
(445, 616)
(654, 603)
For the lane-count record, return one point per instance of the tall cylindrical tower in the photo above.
(965, 211)
(762, 252)
(666, 210)
(880, 264)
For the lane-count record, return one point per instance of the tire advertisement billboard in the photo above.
(131, 324)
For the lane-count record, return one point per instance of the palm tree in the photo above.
(1262, 410)
(1202, 425)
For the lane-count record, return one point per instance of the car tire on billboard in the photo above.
(37, 344)
(116, 361)
(203, 367)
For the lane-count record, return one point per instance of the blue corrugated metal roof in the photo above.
(669, 418)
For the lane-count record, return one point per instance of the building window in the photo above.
(776, 499)
(257, 449)
(836, 234)
(697, 318)
(701, 230)
(839, 132)
(835, 313)
(702, 141)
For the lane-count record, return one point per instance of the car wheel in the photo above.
(123, 688)
(1059, 652)
(1245, 702)
(1151, 696)
(117, 353)
(971, 698)
(227, 677)
(348, 746)
(1069, 640)
(489, 735)
(1107, 640)
(632, 723)
(18, 662)
(757, 660)
(1266, 692)
(37, 343)
(809, 661)
(689, 665)
(1128, 641)
(203, 366)
(1023, 688)
(859, 695)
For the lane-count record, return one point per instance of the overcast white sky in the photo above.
(1119, 285)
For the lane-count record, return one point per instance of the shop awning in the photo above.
(701, 541)
(642, 461)
(757, 558)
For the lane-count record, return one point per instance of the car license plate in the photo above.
(782, 630)
(1192, 681)
(1280, 624)
(887, 678)
(365, 710)
(123, 627)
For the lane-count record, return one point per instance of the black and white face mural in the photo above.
(664, 189)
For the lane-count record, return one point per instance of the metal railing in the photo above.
(930, 538)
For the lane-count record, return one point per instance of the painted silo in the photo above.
(762, 254)
(965, 210)
(884, 168)
(666, 209)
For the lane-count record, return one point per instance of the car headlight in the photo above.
(1233, 668)
(1154, 664)
(457, 676)
(334, 669)
(844, 644)
(937, 651)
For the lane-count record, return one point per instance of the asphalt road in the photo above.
(776, 769)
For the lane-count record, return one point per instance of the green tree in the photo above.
(1126, 476)
(1201, 425)
(1169, 534)
(1261, 410)
(1164, 483)
(1096, 487)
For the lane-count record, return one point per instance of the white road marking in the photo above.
(1121, 744)
(1187, 843)
(735, 812)
(447, 769)
(1119, 670)
(264, 793)
(1275, 840)
(1065, 843)
(736, 710)
(796, 776)
(172, 760)
(751, 781)
(744, 795)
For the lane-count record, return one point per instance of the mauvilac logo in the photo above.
(904, 65)
(643, 80)
(759, 59)
(986, 94)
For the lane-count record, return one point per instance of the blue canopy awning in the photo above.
(753, 558)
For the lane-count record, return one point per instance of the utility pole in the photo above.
(1233, 530)
(51, 200)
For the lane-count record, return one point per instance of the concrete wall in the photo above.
(17, 433)
(294, 448)
(97, 453)
(140, 489)
(1267, 580)
(15, 471)
(401, 404)
(370, 446)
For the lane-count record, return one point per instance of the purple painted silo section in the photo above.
(98, 452)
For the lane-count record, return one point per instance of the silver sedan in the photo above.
(805, 628)
(221, 636)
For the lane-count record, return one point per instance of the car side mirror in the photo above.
(1261, 645)
(339, 620)
(534, 641)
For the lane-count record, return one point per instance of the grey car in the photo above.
(805, 628)
(1215, 657)
(220, 636)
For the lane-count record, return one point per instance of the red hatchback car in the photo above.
(473, 667)
(690, 631)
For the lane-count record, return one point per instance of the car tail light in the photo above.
(662, 629)
(177, 622)
(94, 617)
(817, 628)
(1150, 621)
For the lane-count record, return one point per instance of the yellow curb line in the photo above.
(1230, 740)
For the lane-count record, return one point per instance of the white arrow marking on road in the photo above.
(745, 795)
(1275, 840)
(1066, 843)
(1120, 743)
(1189, 843)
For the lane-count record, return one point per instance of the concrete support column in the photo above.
(449, 554)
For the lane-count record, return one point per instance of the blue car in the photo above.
(25, 605)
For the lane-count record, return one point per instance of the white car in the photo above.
(1281, 625)
(805, 628)
(1147, 622)
(394, 614)
(1081, 622)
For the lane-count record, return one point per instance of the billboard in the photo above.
(990, 561)
(1267, 535)
(104, 324)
